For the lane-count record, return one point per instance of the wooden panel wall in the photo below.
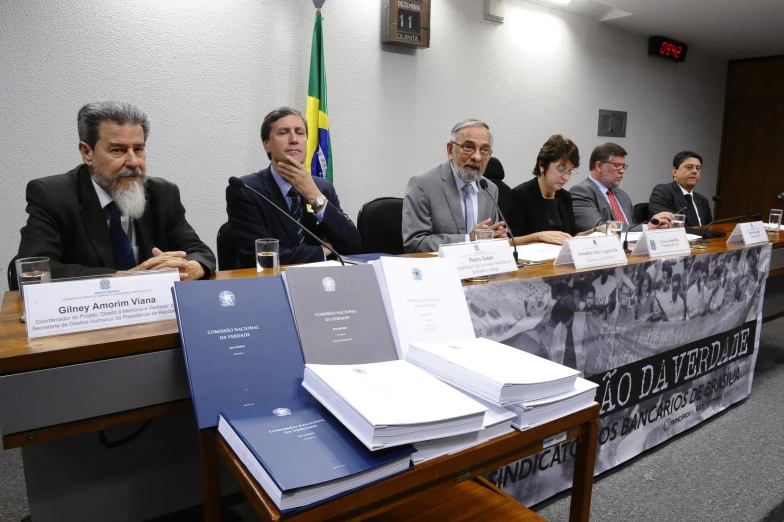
(751, 167)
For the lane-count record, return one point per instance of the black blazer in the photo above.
(668, 197)
(67, 224)
(525, 211)
(252, 218)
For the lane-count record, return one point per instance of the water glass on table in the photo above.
(678, 221)
(483, 234)
(613, 228)
(267, 251)
(774, 221)
(31, 271)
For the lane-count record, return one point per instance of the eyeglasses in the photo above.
(619, 166)
(469, 147)
(563, 171)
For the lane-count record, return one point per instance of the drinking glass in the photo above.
(483, 234)
(267, 257)
(775, 219)
(678, 221)
(31, 271)
(614, 228)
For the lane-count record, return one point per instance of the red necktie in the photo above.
(616, 208)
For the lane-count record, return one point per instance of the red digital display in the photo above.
(670, 49)
(667, 48)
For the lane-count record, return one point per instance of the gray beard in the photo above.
(131, 201)
(467, 175)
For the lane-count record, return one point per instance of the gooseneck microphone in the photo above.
(483, 185)
(754, 217)
(652, 221)
(781, 196)
(236, 182)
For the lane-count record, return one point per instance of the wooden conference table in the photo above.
(57, 392)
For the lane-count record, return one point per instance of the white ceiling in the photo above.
(728, 29)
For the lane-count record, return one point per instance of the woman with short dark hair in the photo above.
(539, 210)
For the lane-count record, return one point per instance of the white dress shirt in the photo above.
(127, 223)
(693, 203)
(474, 198)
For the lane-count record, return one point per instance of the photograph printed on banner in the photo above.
(670, 342)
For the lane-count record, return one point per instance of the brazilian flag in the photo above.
(319, 158)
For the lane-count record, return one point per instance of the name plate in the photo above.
(749, 233)
(592, 251)
(663, 242)
(80, 305)
(480, 258)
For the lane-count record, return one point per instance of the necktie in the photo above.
(570, 356)
(470, 220)
(692, 219)
(296, 212)
(616, 208)
(123, 253)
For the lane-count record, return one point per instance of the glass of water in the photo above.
(31, 271)
(614, 228)
(678, 221)
(775, 219)
(267, 257)
(483, 234)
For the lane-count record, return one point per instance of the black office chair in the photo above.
(380, 225)
(13, 282)
(227, 252)
(640, 212)
(495, 173)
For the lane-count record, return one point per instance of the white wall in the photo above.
(206, 72)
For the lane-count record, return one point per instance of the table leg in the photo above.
(210, 475)
(580, 509)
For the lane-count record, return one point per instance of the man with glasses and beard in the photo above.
(445, 204)
(598, 198)
(106, 215)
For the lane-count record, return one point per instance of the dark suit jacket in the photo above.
(252, 218)
(668, 197)
(525, 210)
(67, 224)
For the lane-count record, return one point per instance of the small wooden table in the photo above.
(412, 492)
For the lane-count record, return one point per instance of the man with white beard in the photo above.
(106, 215)
(446, 204)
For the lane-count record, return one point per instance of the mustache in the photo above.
(129, 173)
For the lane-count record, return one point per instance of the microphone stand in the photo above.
(483, 186)
(238, 183)
(653, 221)
(726, 220)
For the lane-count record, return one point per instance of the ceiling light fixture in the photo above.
(558, 2)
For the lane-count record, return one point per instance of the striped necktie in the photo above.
(296, 213)
(123, 251)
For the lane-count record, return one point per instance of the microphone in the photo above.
(754, 217)
(652, 221)
(483, 185)
(236, 182)
(781, 196)
(681, 211)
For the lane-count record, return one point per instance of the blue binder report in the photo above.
(301, 455)
(240, 344)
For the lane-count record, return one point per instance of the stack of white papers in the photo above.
(532, 413)
(497, 422)
(493, 371)
(391, 403)
(538, 251)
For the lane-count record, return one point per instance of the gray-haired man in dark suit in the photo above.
(445, 204)
(598, 199)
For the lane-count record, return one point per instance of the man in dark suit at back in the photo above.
(598, 198)
(106, 215)
(679, 194)
(312, 201)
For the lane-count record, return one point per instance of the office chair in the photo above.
(380, 225)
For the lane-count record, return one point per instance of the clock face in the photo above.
(667, 48)
(407, 22)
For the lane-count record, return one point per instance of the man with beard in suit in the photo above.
(106, 215)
